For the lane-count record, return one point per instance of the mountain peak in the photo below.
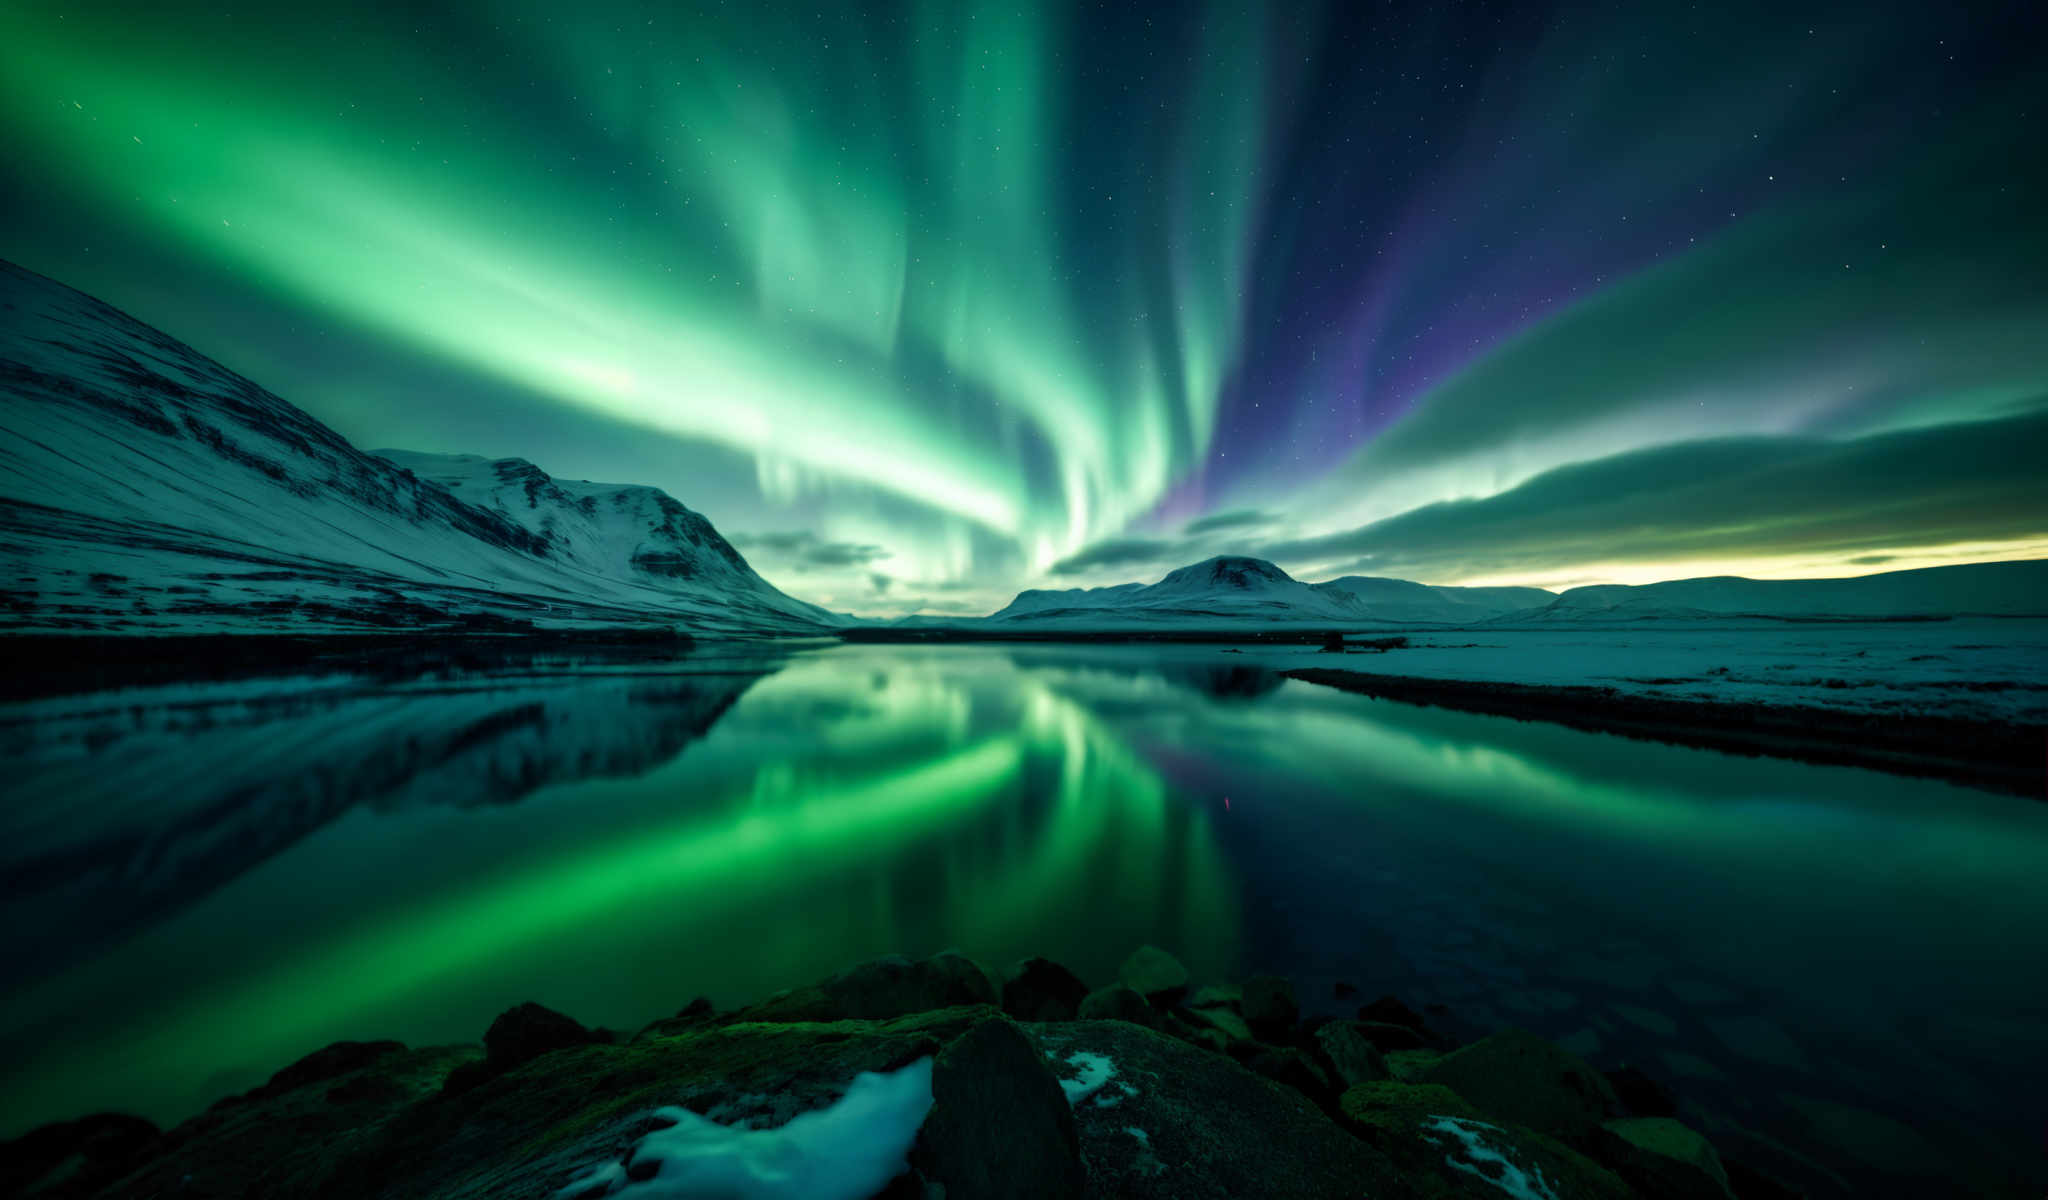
(1227, 571)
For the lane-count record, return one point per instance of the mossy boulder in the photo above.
(1353, 1059)
(1120, 1002)
(1663, 1157)
(1155, 975)
(1166, 1119)
(1517, 1077)
(1446, 1148)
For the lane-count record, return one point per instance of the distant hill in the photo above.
(145, 488)
(1231, 591)
(2004, 589)
(1234, 589)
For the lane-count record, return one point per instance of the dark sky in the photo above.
(923, 303)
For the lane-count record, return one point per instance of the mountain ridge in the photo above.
(1236, 588)
(145, 489)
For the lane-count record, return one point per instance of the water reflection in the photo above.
(1817, 958)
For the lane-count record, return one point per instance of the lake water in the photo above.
(1840, 972)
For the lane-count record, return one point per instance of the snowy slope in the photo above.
(1402, 600)
(146, 488)
(2006, 589)
(624, 531)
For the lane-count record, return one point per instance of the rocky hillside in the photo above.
(145, 488)
(914, 1079)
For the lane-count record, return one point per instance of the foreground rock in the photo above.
(1000, 1127)
(1138, 1089)
(1159, 1118)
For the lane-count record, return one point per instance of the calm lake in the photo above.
(1840, 972)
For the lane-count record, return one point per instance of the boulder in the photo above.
(1665, 1158)
(1226, 1024)
(1352, 1058)
(518, 1036)
(1170, 1120)
(1217, 995)
(1389, 1011)
(337, 1059)
(1517, 1077)
(1408, 1065)
(73, 1157)
(1389, 1038)
(1446, 1148)
(1119, 1002)
(1000, 1127)
(1040, 989)
(524, 1033)
(1640, 1095)
(1285, 1064)
(1269, 1007)
(881, 990)
(896, 987)
(1155, 975)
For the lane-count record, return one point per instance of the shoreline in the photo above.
(1992, 755)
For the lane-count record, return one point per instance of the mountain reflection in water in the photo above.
(1815, 958)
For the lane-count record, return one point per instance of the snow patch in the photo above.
(1512, 1179)
(847, 1150)
(1096, 1070)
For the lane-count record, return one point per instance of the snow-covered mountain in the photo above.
(1223, 589)
(2003, 589)
(1223, 592)
(1231, 589)
(145, 488)
(1403, 600)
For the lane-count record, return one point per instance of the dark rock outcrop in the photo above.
(1177, 1122)
(1040, 989)
(1000, 1127)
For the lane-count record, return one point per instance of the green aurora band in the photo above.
(979, 285)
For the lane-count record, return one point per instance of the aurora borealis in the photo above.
(923, 303)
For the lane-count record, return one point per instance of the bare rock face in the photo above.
(999, 1127)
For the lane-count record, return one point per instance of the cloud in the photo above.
(880, 582)
(1115, 552)
(802, 548)
(1240, 518)
(1726, 498)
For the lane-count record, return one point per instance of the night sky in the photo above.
(923, 303)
